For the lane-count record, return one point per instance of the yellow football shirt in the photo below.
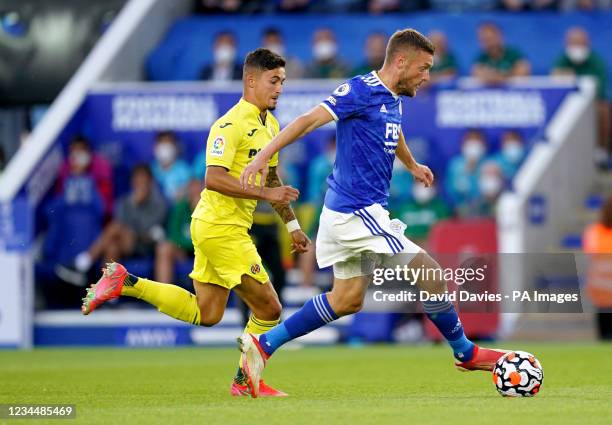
(233, 141)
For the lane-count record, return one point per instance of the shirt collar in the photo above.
(249, 106)
(374, 73)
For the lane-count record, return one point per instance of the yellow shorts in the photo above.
(223, 253)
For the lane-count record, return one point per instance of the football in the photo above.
(518, 374)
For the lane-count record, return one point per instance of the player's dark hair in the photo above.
(142, 168)
(606, 213)
(263, 59)
(408, 38)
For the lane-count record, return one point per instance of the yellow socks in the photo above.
(169, 299)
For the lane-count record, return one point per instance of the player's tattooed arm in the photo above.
(283, 210)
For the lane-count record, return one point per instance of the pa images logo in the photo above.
(218, 146)
(255, 268)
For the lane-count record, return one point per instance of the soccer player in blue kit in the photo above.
(354, 221)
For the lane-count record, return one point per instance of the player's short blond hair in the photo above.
(408, 39)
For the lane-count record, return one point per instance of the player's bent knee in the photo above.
(269, 311)
(209, 319)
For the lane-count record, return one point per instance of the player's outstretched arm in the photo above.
(299, 241)
(219, 179)
(299, 127)
(420, 172)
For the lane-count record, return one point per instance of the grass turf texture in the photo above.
(329, 385)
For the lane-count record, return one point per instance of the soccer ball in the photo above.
(518, 374)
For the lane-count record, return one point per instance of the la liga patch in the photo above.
(218, 146)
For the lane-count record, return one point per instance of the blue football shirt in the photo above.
(368, 121)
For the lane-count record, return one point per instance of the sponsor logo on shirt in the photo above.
(218, 146)
(332, 100)
(250, 133)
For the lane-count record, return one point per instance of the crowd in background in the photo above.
(394, 6)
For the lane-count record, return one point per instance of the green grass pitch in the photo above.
(327, 385)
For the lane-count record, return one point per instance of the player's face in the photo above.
(414, 71)
(268, 87)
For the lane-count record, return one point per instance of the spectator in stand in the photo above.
(585, 5)
(401, 180)
(325, 64)
(526, 5)
(171, 173)
(420, 214)
(579, 59)
(597, 243)
(512, 153)
(497, 62)
(461, 6)
(461, 182)
(198, 168)
(491, 183)
(374, 50)
(136, 226)
(293, 6)
(377, 7)
(225, 66)
(318, 171)
(208, 7)
(445, 65)
(83, 161)
(74, 220)
(272, 39)
(178, 245)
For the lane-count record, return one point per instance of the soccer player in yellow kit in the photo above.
(225, 256)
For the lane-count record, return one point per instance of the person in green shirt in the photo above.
(579, 59)
(445, 65)
(497, 62)
(375, 49)
(178, 245)
(421, 213)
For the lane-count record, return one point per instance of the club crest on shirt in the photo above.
(218, 146)
(342, 90)
(255, 268)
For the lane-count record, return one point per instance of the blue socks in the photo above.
(317, 312)
(444, 316)
(314, 314)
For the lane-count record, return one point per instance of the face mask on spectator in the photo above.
(277, 48)
(324, 50)
(165, 153)
(473, 149)
(490, 185)
(513, 150)
(225, 54)
(80, 159)
(577, 54)
(423, 194)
